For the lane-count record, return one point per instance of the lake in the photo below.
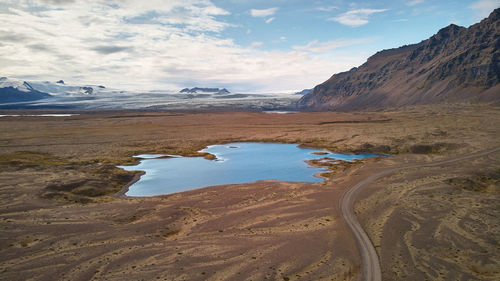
(236, 163)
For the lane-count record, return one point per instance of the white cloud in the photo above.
(484, 7)
(256, 44)
(127, 45)
(356, 18)
(318, 47)
(327, 9)
(414, 2)
(263, 13)
(269, 20)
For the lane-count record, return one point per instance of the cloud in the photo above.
(256, 44)
(317, 47)
(269, 20)
(414, 2)
(59, 2)
(263, 13)
(157, 44)
(484, 7)
(355, 18)
(106, 50)
(39, 47)
(327, 9)
(12, 37)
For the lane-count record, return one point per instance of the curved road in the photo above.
(369, 257)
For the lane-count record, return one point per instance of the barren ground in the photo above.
(57, 219)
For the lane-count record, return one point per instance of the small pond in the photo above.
(236, 163)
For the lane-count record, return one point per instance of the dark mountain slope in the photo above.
(455, 65)
(10, 94)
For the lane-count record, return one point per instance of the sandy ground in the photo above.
(58, 220)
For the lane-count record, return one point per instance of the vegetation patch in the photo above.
(333, 165)
(26, 159)
(64, 196)
(489, 182)
(372, 148)
(89, 181)
(319, 153)
(355, 121)
(209, 156)
(82, 180)
(432, 148)
(170, 233)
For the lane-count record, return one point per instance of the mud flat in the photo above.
(58, 216)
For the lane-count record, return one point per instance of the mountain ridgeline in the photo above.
(455, 65)
(205, 90)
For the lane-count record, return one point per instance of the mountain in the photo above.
(303, 92)
(61, 88)
(12, 90)
(18, 94)
(455, 65)
(196, 90)
(86, 90)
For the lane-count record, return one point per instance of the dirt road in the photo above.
(369, 257)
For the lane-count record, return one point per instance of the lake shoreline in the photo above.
(235, 163)
(122, 194)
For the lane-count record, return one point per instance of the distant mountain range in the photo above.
(197, 90)
(455, 65)
(18, 91)
(15, 90)
(19, 94)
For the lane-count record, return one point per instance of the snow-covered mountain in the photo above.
(18, 94)
(13, 90)
(60, 88)
(19, 85)
(197, 90)
(53, 88)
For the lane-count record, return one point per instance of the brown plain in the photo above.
(58, 220)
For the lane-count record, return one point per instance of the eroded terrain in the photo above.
(438, 223)
(57, 218)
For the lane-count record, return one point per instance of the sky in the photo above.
(242, 45)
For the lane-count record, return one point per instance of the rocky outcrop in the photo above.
(86, 90)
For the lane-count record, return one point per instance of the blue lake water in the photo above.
(236, 163)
